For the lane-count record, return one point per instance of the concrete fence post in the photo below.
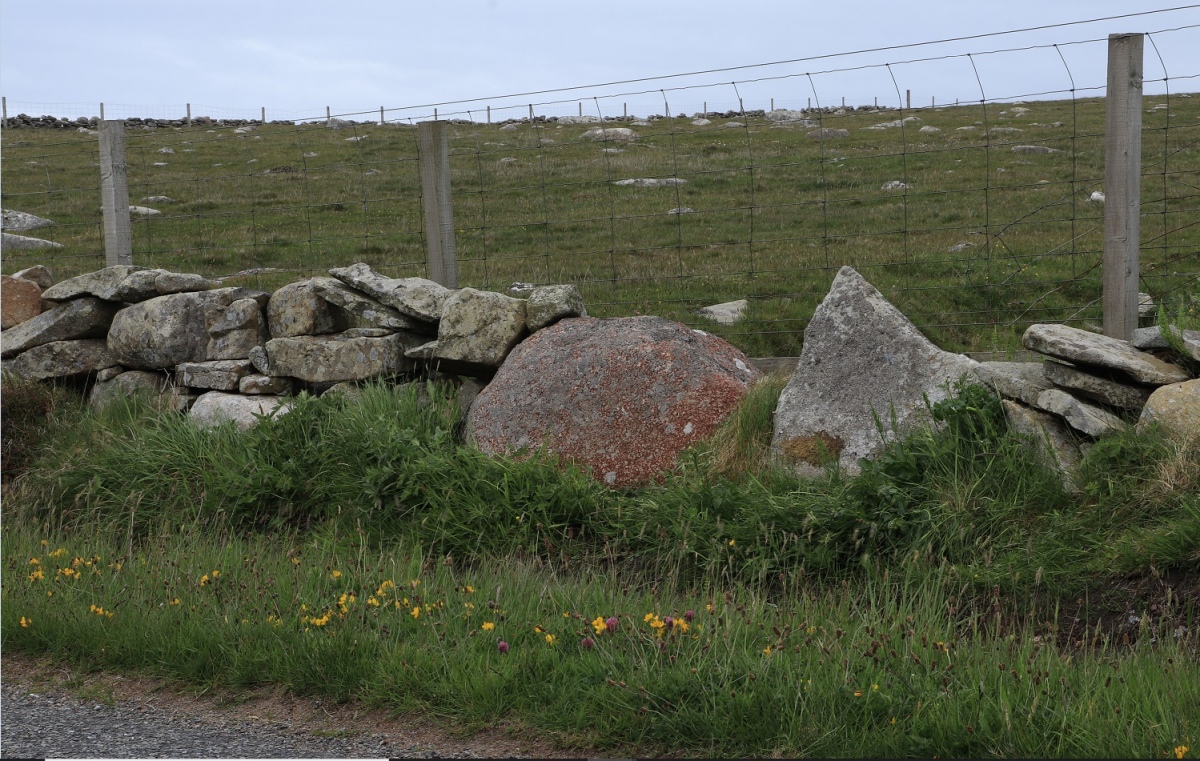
(4, 100)
(381, 116)
(433, 147)
(263, 120)
(101, 111)
(189, 114)
(114, 193)
(1122, 184)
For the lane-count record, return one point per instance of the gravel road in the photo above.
(49, 711)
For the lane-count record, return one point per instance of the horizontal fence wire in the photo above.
(976, 219)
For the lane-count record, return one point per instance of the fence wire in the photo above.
(975, 218)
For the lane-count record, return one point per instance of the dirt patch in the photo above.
(275, 706)
(817, 450)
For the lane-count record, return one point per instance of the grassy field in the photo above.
(950, 601)
(983, 242)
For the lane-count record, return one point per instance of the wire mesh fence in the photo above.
(976, 218)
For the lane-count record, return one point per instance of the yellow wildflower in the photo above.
(767, 650)
(60, 552)
(215, 574)
(599, 625)
(34, 561)
(1180, 751)
(732, 543)
(549, 639)
(469, 589)
(68, 572)
(174, 601)
(416, 612)
(385, 586)
(336, 574)
(488, 626)
(682, 626)
(295, 560)
(373, 601)
(37, 575)
(874, 688)
(469, 606)
(204, 580)
(649, 617)
(25, 622)
(710, 608)
(858, 693)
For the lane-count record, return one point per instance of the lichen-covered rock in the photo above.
(297, 310)
(1176, 408)
(477, 331)
(1079, 347)
(167, 283)
(234, 330)
(548, 304)
(413, 296)
(366, 311)
(20, 300)
(153, 385)
(1056, 447)
(166, 330)
(220, 375)
(1083, 417)
(862, 361)
(265, 384)
(80, 318)
(216, 407)
(1104, 390)
(61, 359)
(1022, 381)
(37, 274)
(622, 397)
(321, 359)
(103, 284)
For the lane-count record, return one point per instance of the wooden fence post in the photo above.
(114, 193)
(1122, 184)
(433, 147)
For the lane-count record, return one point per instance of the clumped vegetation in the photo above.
(950, 600)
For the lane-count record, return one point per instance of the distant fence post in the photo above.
(114, 192)
(4, 100)
(1122, 184)
(433, 146)
(263, 118)
(102, 111)
(381, 116)
(189, 114)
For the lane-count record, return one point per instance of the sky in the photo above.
(233, 58)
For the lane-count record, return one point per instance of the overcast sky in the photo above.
(148, 58)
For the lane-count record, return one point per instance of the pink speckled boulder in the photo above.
(621, 396)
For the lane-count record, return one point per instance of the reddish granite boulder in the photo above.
(20, 301)
(621, 396)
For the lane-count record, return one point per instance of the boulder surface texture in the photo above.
(620, 396)
(862, 361)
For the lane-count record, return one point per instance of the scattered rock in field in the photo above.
(960, 247)
(786, 116)
(612, 151)
(508, 160)
(681, 210)
(1005, 130)
(1097, 196)
(929, 129)
(701, 122)
(652, 182)
(1034, 149)
(895, 185)
(357, 138)
(622, 397)
(159, 163)
(19, 221)
(144, 211)
(167, 151)
(862, 358)
(827, 133)
(508, 128)
(619, 134)
(727, 313)
(734, 124)
(158, 199)
(10, 242)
